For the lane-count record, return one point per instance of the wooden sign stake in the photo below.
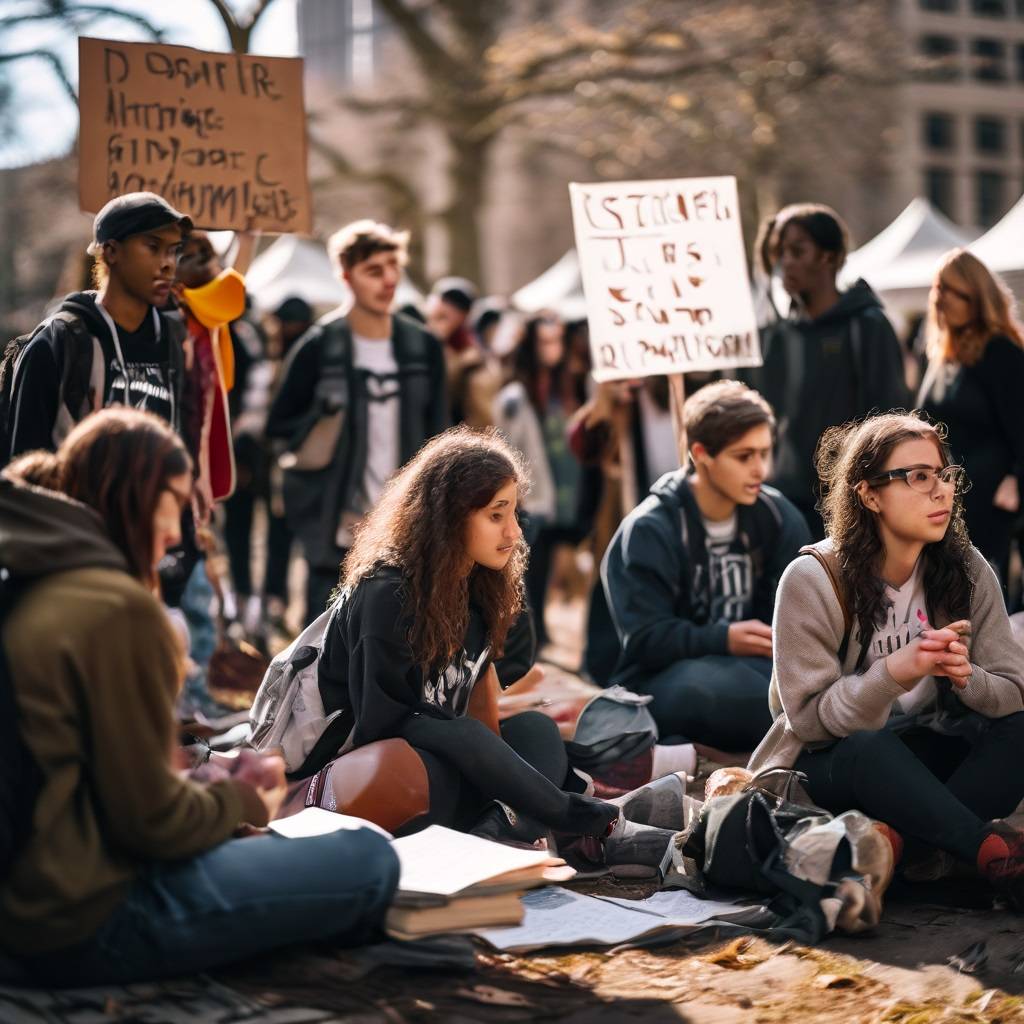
(676, 399)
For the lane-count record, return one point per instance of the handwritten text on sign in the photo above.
(221, 137)
(665, 276)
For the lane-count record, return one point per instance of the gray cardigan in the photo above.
(816, 700)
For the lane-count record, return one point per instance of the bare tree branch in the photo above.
(428, 51)
(93, 10)
(52, 59)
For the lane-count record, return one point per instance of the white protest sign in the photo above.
(665, 276)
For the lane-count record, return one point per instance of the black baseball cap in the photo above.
(133, 213)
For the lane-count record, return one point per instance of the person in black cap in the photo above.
(472, 381)
(112, 346)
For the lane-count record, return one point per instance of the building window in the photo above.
(942, 6)
(938, 186)
(939, 132)
(988, 196)
(990, 135)
(941, 58)
(989, 60)
(1020, 62)
(989, 8)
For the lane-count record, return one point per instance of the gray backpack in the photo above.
(288, 712)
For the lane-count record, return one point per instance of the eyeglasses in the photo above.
(923, 478)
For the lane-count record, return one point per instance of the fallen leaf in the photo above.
(734, 956)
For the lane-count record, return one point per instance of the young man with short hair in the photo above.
(691, 574)
(112, 346)
(359, 394)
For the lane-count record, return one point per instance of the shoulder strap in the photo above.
(829, 562)
(76, 371)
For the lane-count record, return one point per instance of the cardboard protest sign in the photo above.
(221, 137)
(665, 276)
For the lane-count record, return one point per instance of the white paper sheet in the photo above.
(315, 821)
(559, 917)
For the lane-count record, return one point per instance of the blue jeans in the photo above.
(244, 897)
(719, 699)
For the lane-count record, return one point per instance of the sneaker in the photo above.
(501, 824)
(638, 851)
(1001, 862)
(662, 803)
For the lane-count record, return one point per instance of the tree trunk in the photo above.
(467, 178)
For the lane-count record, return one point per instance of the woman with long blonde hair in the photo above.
(975, 386)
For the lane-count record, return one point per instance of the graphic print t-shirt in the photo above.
(902, 624)
(148, 386)
(731, 571)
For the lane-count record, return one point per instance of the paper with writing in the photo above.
(665, 276)
(222, 137)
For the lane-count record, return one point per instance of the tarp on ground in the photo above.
(297, 266)
(560, 288)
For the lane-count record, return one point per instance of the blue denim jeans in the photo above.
(244, 897)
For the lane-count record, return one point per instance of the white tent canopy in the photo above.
(919, 234)
(560, 288)
(1001, 248)
(297, 266)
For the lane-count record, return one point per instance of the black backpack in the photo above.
(75, 371)
(20, 777)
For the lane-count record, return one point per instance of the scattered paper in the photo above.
(559, 917)
(315, 821)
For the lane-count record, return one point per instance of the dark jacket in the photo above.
(38, 418)
(657, 581)
(823, 372)
(315, 499)
(983, 410)
(369, 676)
(93, 664)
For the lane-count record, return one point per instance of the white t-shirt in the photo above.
(732, 572)
(902, 625)
(375, 358)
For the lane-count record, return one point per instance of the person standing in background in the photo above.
(974, 385)
(359, 394)
(833, 359)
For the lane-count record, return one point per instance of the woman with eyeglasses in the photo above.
(975, 385)
(897, 687)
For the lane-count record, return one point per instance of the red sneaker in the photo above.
(1001, 862)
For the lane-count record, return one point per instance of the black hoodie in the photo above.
(153, 361)
(823, 372)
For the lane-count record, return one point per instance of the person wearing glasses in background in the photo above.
(897, 686)
(975, 386)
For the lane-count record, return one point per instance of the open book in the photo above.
(440, 864)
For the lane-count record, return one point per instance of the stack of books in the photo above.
(449, 881)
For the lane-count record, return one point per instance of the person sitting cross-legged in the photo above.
(691, 573)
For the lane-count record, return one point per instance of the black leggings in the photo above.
(940, 790)
(526, 768)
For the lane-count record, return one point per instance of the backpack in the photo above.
(288, 710)
(817, 871)
(20, 777)
(75, 375)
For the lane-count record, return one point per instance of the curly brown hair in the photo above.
(418, 526)
(857, 451)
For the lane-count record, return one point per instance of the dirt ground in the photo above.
(898, 974)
